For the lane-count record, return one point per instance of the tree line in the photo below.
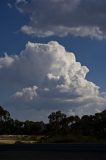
(59, 125)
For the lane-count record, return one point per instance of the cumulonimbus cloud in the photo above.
(64, 17)
(45, 78)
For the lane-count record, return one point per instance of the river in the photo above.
(53, 152)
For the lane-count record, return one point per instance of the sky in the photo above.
(52, 57)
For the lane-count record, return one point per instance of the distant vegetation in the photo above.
(59, 129)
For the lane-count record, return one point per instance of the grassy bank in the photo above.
(15, 139)
(25, 139)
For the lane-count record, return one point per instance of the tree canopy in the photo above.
(93, 126)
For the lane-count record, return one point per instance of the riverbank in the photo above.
(18, 139)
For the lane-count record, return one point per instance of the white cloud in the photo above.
(45, 78)
(27, 94)
(64, 17)
(6, 61)
(93, 32)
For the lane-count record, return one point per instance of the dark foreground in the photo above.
(53, 152)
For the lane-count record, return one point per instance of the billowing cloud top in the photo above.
(45, 78)
(64, 17)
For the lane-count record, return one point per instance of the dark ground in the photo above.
(53, 152)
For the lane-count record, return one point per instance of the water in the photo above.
(53, 152)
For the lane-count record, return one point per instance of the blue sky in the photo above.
(89, 50)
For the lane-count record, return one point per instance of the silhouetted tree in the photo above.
(4, 115)
(57, 121)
